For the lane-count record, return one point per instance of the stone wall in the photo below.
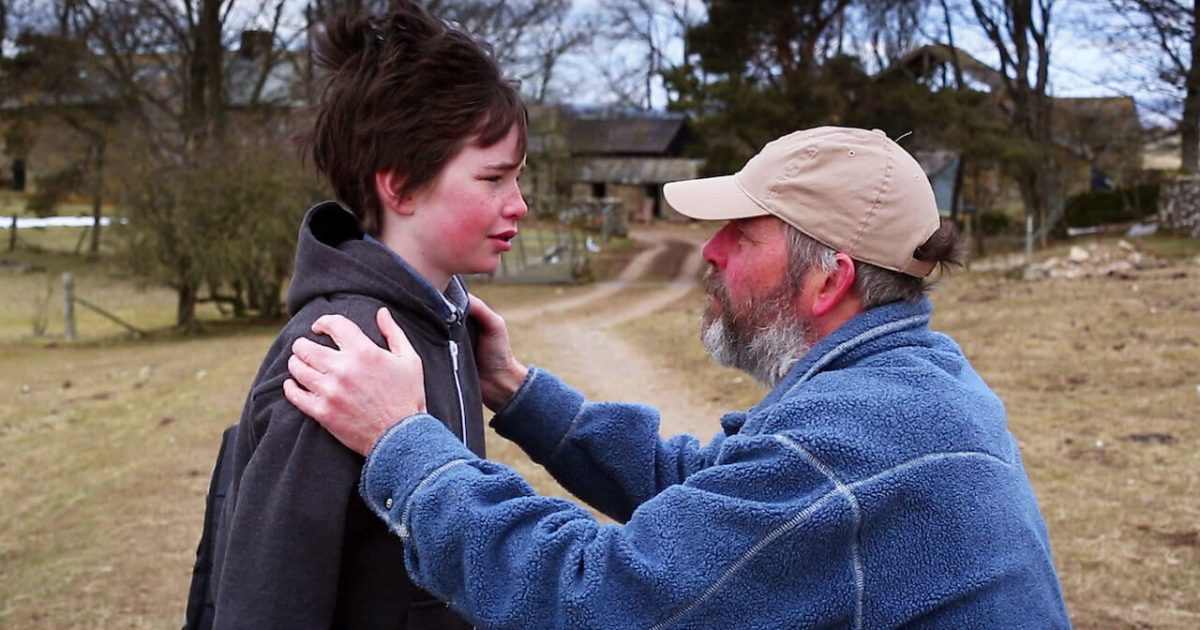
(1179, 206)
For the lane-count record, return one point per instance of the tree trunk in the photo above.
(204, 100)
(959, 84)
(12, 234)
(956, 190)
(1189, 127)
(97, 198)
(185, 311)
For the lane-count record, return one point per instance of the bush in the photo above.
(1123, 205)
(53, 188)
(995, 222)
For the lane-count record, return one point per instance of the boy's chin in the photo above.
(483, 267)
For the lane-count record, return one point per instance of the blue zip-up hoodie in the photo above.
(876, 486)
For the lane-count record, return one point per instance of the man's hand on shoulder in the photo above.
(500, 374)
(357, 390)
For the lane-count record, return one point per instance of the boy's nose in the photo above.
(517, 207)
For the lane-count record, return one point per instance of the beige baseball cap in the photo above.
(854, 190)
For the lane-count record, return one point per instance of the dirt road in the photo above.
(575, 338)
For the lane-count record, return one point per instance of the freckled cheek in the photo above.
(465, 226)
(457, 235)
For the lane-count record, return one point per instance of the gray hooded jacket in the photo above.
(296, 546)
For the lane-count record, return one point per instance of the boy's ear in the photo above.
(389, 187)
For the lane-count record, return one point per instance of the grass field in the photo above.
(106, 445)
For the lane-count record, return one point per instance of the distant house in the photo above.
(1162, 155)
(41, 140)
(626, 156)
(1099, 140)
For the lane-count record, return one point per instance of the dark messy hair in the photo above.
(405, 93)
(875, 285)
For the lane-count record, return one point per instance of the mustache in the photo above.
(714, 286)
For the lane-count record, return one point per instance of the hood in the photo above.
(332, 258)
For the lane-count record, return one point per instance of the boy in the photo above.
(423, 140)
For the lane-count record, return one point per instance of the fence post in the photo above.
(1028, 239)
(69, 305)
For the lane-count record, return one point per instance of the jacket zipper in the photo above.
(462, 408)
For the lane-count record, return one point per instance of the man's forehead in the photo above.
(763, 224)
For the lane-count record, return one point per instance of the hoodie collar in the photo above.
(333, 258)
(453, 303)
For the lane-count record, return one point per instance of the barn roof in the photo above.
(624, 134)
(634, 170)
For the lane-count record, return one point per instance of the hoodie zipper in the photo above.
(462, 408)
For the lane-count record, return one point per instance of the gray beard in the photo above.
(766, 350)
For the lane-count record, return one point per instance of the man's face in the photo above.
(749, 258)
(752, 320)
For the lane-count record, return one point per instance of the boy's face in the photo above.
(468, 215)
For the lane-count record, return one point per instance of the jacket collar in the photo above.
(864, 328)
(450, 305)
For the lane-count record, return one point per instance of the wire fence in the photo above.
(545, 256)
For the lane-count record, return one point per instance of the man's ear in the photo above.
(389, 188)
(836, 286)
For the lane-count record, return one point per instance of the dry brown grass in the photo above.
(1102, 382)
(106, 446)
(105, 453)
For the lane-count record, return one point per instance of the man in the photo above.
(875, 486)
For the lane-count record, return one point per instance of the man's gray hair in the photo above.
(875, 285)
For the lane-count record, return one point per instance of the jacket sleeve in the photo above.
(285, 522)
(733, 540)
(608, 454)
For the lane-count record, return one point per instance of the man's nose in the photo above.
(715, 250)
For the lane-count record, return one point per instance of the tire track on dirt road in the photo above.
(575, 338)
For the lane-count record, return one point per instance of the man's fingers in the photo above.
(304, 374)
(488, 319)
(345, 333)
(307, 402)
(396, 339)
(317, 356)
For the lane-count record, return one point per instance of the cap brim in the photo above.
(711, 199)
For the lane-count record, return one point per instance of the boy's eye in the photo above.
(490, 178)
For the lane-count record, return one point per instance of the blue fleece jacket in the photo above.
(876, 486)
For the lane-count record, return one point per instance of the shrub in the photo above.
(53, 188)
(1098, 207)
(995, 222)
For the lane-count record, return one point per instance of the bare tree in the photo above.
(49, 71)
(1019, 31)
(552, 40)
(169, 63)
(892, 27)
(529, 37)
(5, 11)
(656, 30)
(1171, 25)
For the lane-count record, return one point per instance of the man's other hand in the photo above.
(500, 374)
(358, 390)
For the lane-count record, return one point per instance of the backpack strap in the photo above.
(200, 605)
